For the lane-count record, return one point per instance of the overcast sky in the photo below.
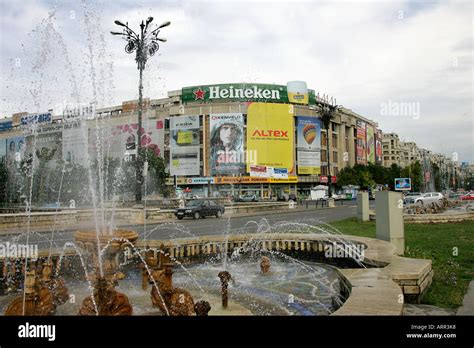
(406, 65)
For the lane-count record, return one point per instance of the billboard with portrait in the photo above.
(270, 135)
(226, 143)
(15, 150)
(309, 145)
(184, 145)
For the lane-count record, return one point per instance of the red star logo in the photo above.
(199, 93)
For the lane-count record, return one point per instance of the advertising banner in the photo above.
(270, 135)
(259, 171)
(120, 140)
(47, 146)
(227, 143)
(297, 92)
(31, 119)
(200, 181)
(279, 173)
(361, 143)
(370, 144)
(75, 143)
(15, 150)
(252, 180)
(184, 145)
(237, 91)
(309, 145)
(6, 125)
(402, 184)
(378, 147)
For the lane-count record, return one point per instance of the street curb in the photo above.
(16, 231)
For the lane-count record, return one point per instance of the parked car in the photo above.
(248, 198)
(200, 208)
(468, 197)
(410, 197)
(428, 198)
(285, 197)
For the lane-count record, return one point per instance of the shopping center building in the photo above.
(218, 140)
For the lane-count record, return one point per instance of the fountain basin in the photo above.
(90, 237)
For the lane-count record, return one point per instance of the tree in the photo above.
(157, 166)
(414, 172)
(3, 182)
(346, 177)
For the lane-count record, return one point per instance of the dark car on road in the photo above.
(200, 208)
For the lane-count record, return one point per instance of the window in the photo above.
(323, 139)
(323, 156)
(334, 156)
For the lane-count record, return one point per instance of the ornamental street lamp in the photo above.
(327, 110)
(145, 45)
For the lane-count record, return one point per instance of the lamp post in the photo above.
(328, 108)
(145, 45)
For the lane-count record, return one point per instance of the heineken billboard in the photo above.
(239, 92)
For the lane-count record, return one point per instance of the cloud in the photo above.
(364, 54)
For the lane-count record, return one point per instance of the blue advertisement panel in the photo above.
(5, 125)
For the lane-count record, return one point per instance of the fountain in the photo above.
(224, 276)
(188, 275)
(265, 265)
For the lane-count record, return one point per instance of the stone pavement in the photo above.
(467, 307)
(419, 309)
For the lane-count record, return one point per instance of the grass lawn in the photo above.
(437, 242)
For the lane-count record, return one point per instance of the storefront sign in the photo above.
(324, 179)
(36, 118)
(253, 180)
(200, 181)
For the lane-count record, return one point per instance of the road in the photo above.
(229, 223)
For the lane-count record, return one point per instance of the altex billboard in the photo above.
(270, 135)
(256, 92)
